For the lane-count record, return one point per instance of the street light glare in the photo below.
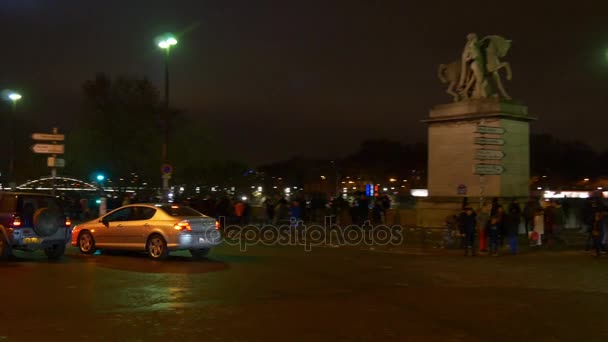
(14, 96)
(166, 41)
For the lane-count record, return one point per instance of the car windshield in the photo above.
(178, 210)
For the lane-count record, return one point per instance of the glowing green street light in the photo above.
(165, 42)
(14, 97)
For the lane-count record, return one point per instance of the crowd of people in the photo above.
(280, 210)
(494, 227)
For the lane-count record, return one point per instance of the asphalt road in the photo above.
(287, 294)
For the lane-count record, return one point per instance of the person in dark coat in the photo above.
(270, 205)
(363, 209)
(502, 229)
(493, 234)
(468, 221)
(512, 221)
(529, 212)
(596, 233)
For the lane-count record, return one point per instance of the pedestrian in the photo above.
(549, 222)
(295, 212)
(604, 234)
(239, 212)
(539, 228)
(468, 221)
(482, 219)
(377, 213)
(559, 220)
(345, 217)
(512, 221)
(500, 221)
(528, 214)
(281, 211)
(363, 210)
(269, 204)
(493, 231)
(596, 233)
(588, 218)
(222, 210)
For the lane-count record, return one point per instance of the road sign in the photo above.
(483, 154)
(490, 130)
(489, 169)
(461, 189)
(166, 169)
(489, 141)
(48, 137)
(55, 162)
(48, 148)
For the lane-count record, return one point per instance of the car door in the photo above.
(135, 230)
(111, 235)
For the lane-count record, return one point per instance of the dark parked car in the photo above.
(30, 222)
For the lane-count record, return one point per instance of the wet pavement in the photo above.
(285, 293)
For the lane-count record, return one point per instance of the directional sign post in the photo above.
(490, 130)
(489, 169)
(489, 141)
(51, 148)
(483, 154)
(48, 137)
(48, 148)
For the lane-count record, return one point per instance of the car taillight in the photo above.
(183, 226)
(217, 225)
(68, 222)
(16, 222)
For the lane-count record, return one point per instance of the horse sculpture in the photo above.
(496, 48)
(450, 73)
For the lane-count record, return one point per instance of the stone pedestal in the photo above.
(477, 149)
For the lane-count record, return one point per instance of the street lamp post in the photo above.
(14, 97)
(166, 42)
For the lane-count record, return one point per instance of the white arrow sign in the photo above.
(489, 141)
(489, 169)
(483, 154)
(490, 130)
(48, 148)
(48, 137)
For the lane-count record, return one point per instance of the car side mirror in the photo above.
(105, 221)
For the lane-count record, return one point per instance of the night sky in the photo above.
(311, 78)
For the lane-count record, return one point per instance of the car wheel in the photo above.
(86, 243)
(200, 253)
(5, 249)
(157, 247)
(55, 252)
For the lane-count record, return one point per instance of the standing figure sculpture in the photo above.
(472, 72)
(475, 75)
